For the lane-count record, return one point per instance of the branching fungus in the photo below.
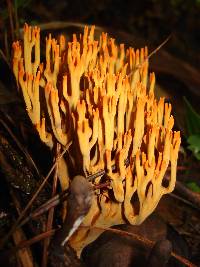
(100, 97)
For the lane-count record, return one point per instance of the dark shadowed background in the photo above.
(153, 20)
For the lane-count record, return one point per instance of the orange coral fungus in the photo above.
(100, 97)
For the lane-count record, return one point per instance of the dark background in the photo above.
(152, 20)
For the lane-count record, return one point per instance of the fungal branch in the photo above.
(99, 96)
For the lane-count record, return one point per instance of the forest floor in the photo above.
(177, 67)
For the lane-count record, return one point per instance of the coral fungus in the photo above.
(99, 96)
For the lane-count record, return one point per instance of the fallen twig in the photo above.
(139, 66)
(57, 199)
(53, 202)
(51, 211)
(25, 254)
(2, 242)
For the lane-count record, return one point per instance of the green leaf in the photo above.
(194, 145)
(192, 119)
(193, 186)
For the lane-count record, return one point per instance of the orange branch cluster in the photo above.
(99, 96)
